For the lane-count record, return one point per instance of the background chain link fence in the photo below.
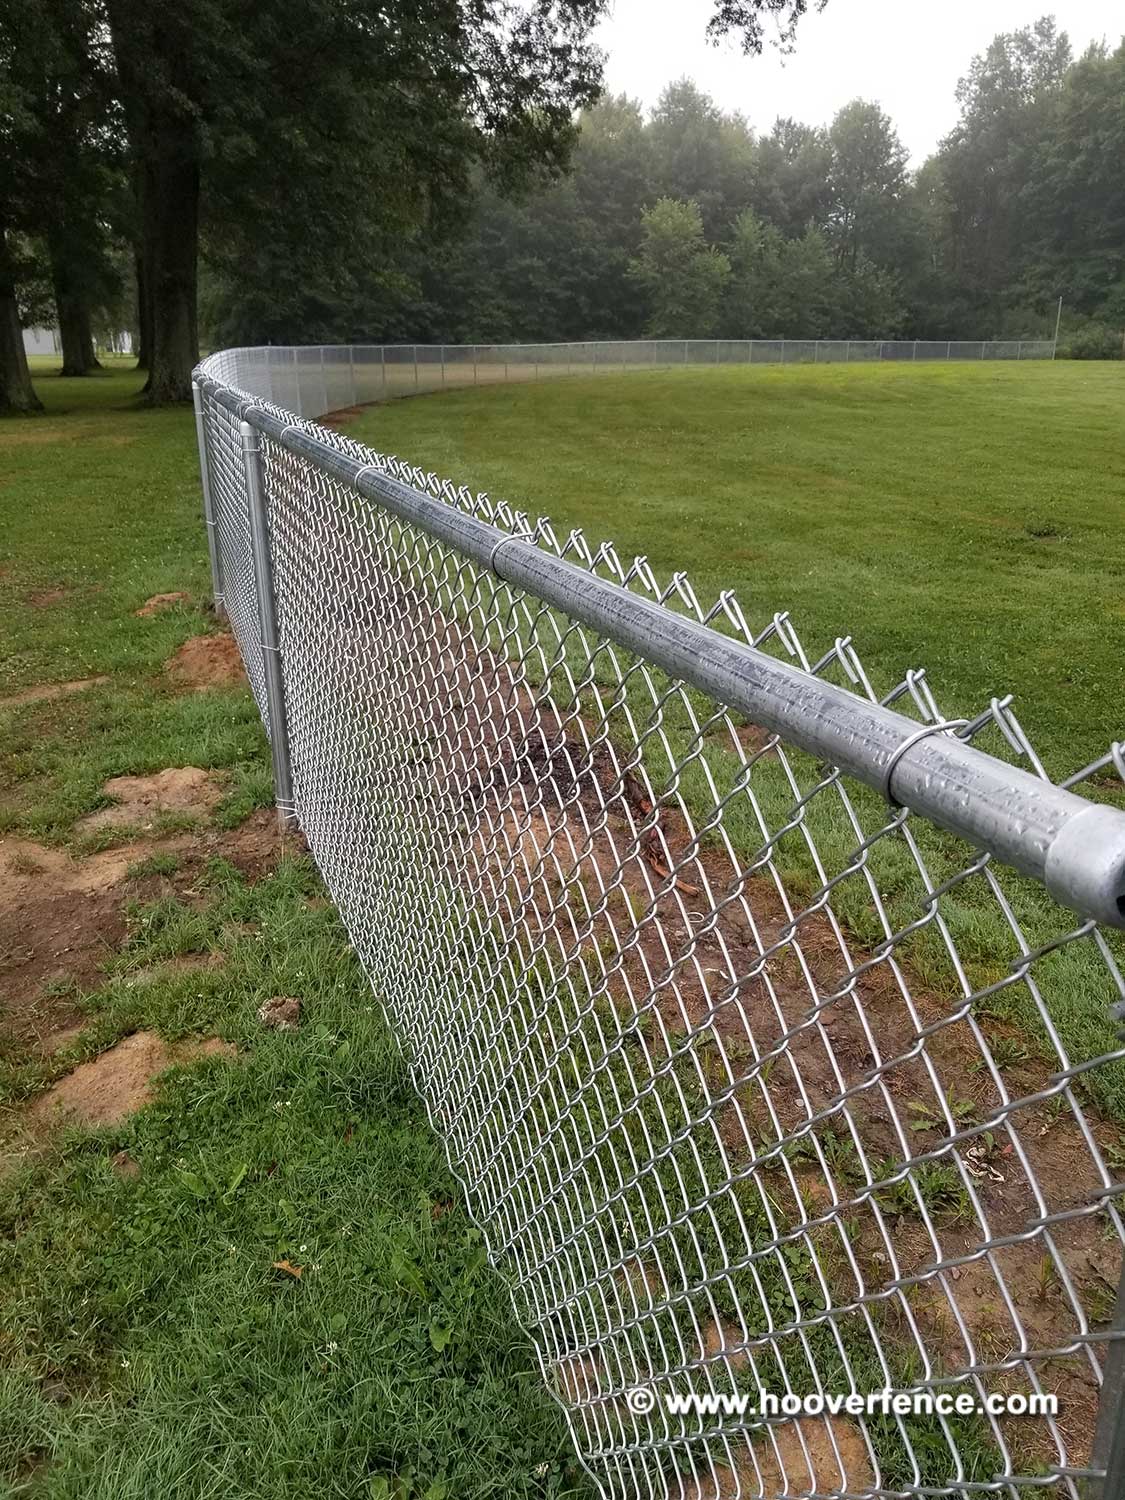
(312, 381)
(755, 1079)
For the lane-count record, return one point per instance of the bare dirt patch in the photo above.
(141, 800)
(795, 1458)
(256, 844)
(41, 692)
(159, 602)
(341, 418)
(44, 598)
(207, 661)
(60, 920)
(118, 1082)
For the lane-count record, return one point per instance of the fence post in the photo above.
(1109, 1435)
(208, 500)
(267, 620)
(476, 352)
(914, 356)
(848, 354)
(948, 350)
(443, 366)
(383, 367)
(415, 366)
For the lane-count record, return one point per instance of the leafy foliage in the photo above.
(682, 276)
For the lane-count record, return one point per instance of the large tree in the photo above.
(1007, 102)
(867, 179)
(700, 155)
(683, 277)
(17, 127)
(322, 129)
(69, 149)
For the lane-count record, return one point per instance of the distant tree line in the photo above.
(447, 170)
(685, 223)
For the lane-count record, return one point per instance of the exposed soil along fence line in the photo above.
(728, 977)
(312, 381)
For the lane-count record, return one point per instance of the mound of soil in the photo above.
(141, 799)
(158, 602)
(118, 1082)
(60, 919)
(207, 661)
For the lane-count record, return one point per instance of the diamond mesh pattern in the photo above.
(232, 528)
(753, 1082)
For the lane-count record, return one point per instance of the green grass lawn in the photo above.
(959, 517)
(147, 1344)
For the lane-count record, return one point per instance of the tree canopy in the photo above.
(799, 231)
(313, 170)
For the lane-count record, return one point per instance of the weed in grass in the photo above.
(60, 987)
(937, 1184)
(163, 863)
(1006, 1053)
(925, 1117)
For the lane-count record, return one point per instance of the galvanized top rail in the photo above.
(1074, 846)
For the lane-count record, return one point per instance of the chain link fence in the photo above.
(767, 1013)
(312, 381)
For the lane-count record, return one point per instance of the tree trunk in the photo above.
(70, 254)
(16, 391)
(144, 314)
(156, 85)
(74, 331)
(170, 220)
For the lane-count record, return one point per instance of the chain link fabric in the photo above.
(752, 1081)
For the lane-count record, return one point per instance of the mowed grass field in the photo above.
(149, 1345)
(966, 518)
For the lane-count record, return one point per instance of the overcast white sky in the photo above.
(907, 54)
